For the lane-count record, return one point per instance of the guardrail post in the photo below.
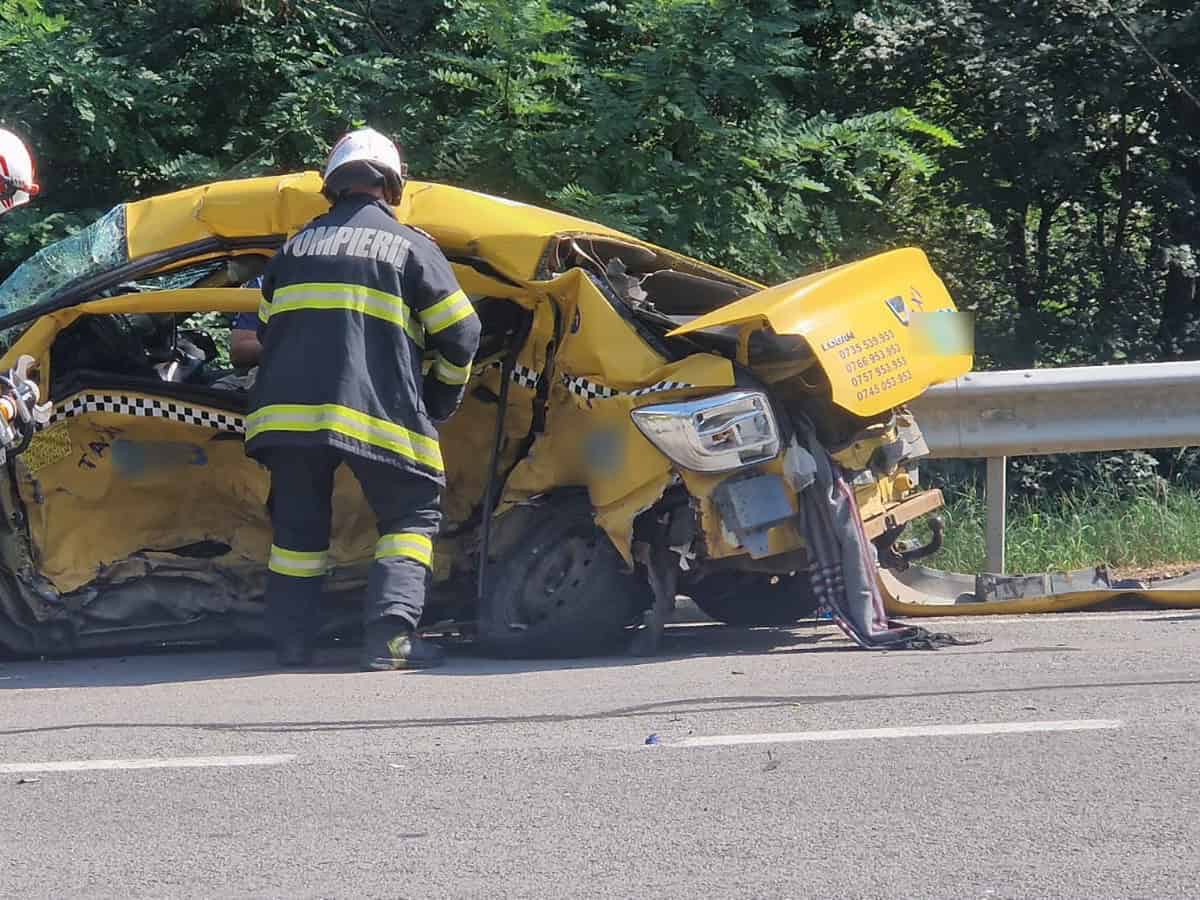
(997, 512)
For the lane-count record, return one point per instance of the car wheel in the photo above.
(561, 592)
(754, 598)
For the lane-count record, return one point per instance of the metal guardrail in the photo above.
(1034, 412)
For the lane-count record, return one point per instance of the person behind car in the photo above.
(348, 305)
(244, 348)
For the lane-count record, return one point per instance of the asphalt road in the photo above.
(1058, 760)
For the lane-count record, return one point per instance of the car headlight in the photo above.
(713, 434)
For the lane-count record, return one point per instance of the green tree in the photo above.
(132, 98)
(1072, 152)
(702, 124)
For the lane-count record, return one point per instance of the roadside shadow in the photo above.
(693, 641)
(248, 659)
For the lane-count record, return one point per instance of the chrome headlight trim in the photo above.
(721, 433)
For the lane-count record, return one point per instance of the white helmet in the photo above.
(379, 156)
(17, 185)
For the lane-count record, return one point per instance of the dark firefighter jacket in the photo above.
(351, 304)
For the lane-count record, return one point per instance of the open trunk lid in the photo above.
(883, 329)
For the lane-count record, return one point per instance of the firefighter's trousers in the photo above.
(407, 509)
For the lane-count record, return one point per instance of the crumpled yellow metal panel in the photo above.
(590, 438)
(99, 487)
(598, 343)
(512, 236)
(252, 207)
(883, 328)
(467, 438)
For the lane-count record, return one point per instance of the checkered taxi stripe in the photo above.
(525, 377)
(590, 390)
(220, 420)
(587, 389)
(148, 407)
(176, 411)
(522, 376)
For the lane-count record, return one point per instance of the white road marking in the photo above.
(179, 762)
(911, 731)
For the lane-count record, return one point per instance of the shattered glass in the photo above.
(98, 248)
(182, 278)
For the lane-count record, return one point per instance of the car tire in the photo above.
(562, 591)
(751, 599)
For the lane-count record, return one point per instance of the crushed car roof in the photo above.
(512, 236)
(506, 240)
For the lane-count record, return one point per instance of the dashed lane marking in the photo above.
(911, 731)
(179, 762)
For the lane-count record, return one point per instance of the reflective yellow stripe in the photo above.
(264, 310)
(352, 297)
(407, 544)
(447, 312)
(298, 563)
(448, 373)
(349, 422)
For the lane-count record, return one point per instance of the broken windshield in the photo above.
(93, 250)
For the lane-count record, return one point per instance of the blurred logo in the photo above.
(898, 307)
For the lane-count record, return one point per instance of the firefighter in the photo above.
(350, 304)
(17, 183)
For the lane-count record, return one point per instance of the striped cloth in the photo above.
(843, 561)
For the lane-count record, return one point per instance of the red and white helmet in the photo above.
(17, 184)
(366, 145)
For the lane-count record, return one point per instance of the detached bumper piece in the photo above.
(921, 591)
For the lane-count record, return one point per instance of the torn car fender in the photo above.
(603, 371)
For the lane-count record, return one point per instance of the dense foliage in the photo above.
(1045, 153)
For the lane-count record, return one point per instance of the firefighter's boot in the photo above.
(392, 644)
(293, 651)
(293, 618)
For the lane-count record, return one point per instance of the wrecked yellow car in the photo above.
(629, 430)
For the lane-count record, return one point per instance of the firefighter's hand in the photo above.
(244, 348)
(441, 400)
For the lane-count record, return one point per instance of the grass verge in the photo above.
(1143, 534)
